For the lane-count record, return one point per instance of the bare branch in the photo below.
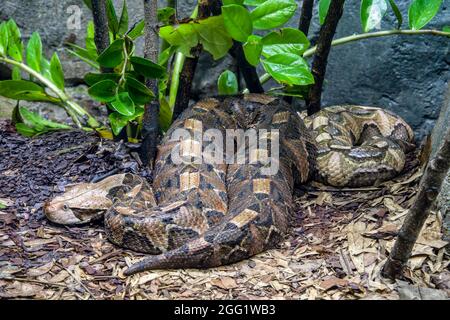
(306, 15)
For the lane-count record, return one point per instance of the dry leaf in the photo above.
(36, 272)
(332, 282)
(224, 283)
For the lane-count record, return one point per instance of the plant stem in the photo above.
(77, 109)
(175, 81)
(306, 15)
(101, 28)
(356, 37)
(429, 187)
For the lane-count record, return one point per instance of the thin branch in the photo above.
(429, 187)
(150, 121)
(306, 15)
(319, 65)
(190, 66)
(100, 17)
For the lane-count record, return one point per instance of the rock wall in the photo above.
(405, 74)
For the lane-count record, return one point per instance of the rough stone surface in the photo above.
(405, 74)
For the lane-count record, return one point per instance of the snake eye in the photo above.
(65, 207)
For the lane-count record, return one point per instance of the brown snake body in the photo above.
(202, 215)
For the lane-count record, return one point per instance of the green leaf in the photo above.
(227, 83)
(288, 68)
(287, 40)
(3, 39)
(164, 14)
(26, 131)
(273, 13)
(119, 121)
(147, 68)
(123, 104)
(34, 52)
(165, 55)
(237, 21)
(421, 12)
(123, 23)
(137, 30)
(14, 41)
(165, 114)
(91, 47)
(252, 50)
(372, 11)
(113, 22)
(397, 13)
(446, 29)
(34, 120)
(324, 6)
(16, 74)
(24, 90)
(254, 3)
(228, 2)
(213, 36)
(183, 36)
(139, 92)
(88, 4)
(103, 91)
(56, 71)
(93, 78)
(113, 55)
(84, 55)
(45, 68)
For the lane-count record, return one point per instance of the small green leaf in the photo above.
(287, 40)
(123, 104)
(288, 68)
(228, 2)
(147, 68)
(237, 21)
(84, 55)
(372, 12)
(14, 41)
(421, 12)
(139, 93)
(34, 52)
(227, 83)
(24, 90)
(113, 22)
(26, 131)
(16, 74)
(56, 71)
(93, 78)
(183, 36)
(113, 55)
(103, 91)
(3, 39)
(137, 30)
(324, 6)
(397, 13)
(164, 14)
(117, 122)
(123, 23)
(273, 13)
(91, 47)
(213, 36)
(252, 50)
(254, 3)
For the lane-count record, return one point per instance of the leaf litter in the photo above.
(339, 241)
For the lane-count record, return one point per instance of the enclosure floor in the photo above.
(336, 249)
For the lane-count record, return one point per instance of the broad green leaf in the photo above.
(15, 45)
(93, 78)
(228, 2)
(164, 14)
(34, 120)
(288, 68)
(26, 131)
(324, 6)
(372, 11)
(113, 22)
(147, 68)
(103, 91)
(117, 122)
(34, 52)
(91, 47)
(16, 74)
(3, 39)
(45, 68)
(213, 36)
(273, 13)
(287, 40)
(421, 12)
(254, 3)
(137, 30)
(183, 36)
(84, 55)
(56, 71)
(113, 55)
(164, 56)
(252, 50)
(237, 21)
(227, 83)
(123, 23)
(139, 93)
(397, 13)
(24, 90)
(123, 104)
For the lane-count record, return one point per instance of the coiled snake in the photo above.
(203, 214)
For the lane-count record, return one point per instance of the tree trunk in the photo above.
(429, 187)
(150, 122)
(319, 65)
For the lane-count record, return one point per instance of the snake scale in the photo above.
(203, 214)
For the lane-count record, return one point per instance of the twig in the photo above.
(319, 65)
(79, 282)
(429, 188)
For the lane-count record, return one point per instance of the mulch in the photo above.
(336, 250)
